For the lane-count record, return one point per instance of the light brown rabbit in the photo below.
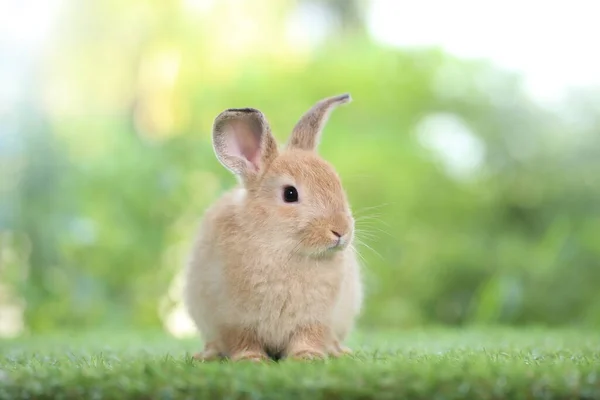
(274, 272)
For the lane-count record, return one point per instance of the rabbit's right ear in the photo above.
(243, 142)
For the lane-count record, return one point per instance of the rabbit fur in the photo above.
(268, 278)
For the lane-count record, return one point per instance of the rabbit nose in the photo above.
(336, 234)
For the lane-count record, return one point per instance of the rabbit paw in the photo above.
(253, 356)
(307, 354)
(209, 353)
(339, 350)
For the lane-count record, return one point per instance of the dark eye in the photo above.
(290, 194)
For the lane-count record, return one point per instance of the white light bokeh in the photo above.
(553, 44)
(453, 144)
(27, 24)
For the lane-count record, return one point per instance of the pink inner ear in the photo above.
(245, 144)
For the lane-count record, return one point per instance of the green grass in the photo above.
(434, 364)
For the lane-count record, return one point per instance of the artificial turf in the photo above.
(431, 364)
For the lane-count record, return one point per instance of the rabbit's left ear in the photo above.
(307, 132)
(243, 142)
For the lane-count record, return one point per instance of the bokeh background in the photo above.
(471, 151)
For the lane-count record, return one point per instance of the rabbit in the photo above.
(273, 272)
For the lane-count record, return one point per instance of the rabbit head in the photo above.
(291, 199)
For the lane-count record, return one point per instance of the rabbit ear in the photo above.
(243, 142)
(307, 132)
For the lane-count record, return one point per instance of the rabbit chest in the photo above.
(275, 299)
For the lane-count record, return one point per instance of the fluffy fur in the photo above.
(269, 278)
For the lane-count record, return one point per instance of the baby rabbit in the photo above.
(273, 271)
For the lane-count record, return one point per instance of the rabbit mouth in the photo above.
(326, 251)
(339, 244)
(324, 244)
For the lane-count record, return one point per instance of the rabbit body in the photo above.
(274, 274)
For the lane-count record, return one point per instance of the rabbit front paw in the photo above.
(210, 353)
(247, 355)
(307, 354)
(339, 350)
(309, 343)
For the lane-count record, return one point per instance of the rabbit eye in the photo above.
(290, 194)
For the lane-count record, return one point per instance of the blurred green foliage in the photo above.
(110, 166)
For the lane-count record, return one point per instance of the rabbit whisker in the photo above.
(361, 210)
(369, 230)
(360, 242)
(357, 252)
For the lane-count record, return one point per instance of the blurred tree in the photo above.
(473, 204)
